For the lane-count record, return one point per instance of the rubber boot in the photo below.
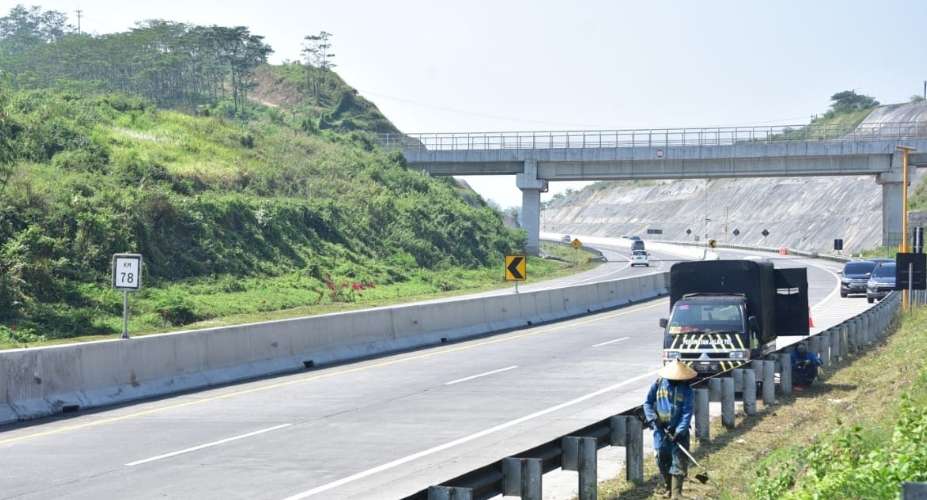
(677, 486)
(667, 489)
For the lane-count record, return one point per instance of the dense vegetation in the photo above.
(863, 459)
(274, 207)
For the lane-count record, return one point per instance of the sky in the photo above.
(435, 66)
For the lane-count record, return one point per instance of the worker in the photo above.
(804, 366)
(668, 410)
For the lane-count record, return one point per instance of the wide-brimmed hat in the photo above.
(677, 371)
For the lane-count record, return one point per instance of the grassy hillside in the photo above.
(294, 218)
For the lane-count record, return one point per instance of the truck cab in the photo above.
(710, 332)
(724, 313)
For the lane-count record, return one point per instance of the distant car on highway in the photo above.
(881, 282)
(855, 277)
(635, 238)
(640, 258)
(566, 238)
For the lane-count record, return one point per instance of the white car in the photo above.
(639, 259)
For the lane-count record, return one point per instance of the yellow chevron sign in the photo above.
(516, 268)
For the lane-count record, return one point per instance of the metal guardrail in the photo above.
(650, 138)
(520, 475)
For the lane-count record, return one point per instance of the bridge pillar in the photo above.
(531, 189)
(891, 183)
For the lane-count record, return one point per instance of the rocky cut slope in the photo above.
(801, 212)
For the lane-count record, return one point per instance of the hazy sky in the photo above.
(519, 65)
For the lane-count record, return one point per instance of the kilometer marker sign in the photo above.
(516, 268)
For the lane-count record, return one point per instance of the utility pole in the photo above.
(905, 150)
(925, 90)
(80, 13)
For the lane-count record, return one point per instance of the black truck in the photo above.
(725, 312)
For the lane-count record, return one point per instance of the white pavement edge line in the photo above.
(478, 375)
(465, 439)
(610, 341)
(206, 445)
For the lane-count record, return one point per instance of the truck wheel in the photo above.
(870, 300)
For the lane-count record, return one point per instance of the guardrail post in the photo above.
(749, 392)
(785, 373)
(702, 432)
(769, 383)
(853, 332)
(449, 493)
(738, 375)
(727, 402)
(867, 336)
(913, 491)
(844, 340)
(835, 344)
(634, 451)
(825, 348)
(619, 430)
(813, 344)
(714, 390)
(579, 454)
(522, 477)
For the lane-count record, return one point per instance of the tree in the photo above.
(316, 54)
(317, 50)
(849, 100)
(916, 98)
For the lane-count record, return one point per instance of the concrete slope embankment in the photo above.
(799, 212)
(48, 380)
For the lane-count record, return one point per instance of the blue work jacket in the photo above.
(671, 405)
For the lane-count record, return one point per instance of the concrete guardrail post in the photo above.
(727, 402)
(634, 451)
(449, 493)
(749, 392)
(619, 430)
(738, 375)
(769, 383)
(702, 432)
(854, 335)
(844, 340)
(785, 373)
(825, 348)
(867, 329)
(579, 454)
(835, 344)
(522, 477)
(714, 390)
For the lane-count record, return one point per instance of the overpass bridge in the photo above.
(539, 157)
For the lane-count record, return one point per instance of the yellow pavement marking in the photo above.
(320, 376)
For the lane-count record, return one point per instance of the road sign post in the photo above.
(127, 276)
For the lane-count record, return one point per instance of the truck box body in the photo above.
(777, 298)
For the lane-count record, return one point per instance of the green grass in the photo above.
(203, 303)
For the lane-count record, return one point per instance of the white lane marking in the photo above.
(431, 451)
(611, 341)
(478, 375)
(206, 445)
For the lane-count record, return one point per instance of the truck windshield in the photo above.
(706, 317)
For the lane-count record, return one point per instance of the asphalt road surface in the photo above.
(381, 428)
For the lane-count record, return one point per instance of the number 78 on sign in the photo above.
(127, 271)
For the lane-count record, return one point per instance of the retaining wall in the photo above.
(43, 381)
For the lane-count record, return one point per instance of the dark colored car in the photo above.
(855, 277)
(637, 246)
(881, 282)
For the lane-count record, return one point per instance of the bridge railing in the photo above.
(650, 138)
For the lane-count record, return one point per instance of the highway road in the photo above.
(380, 428)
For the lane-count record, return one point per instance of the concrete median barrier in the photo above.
(49, 380)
